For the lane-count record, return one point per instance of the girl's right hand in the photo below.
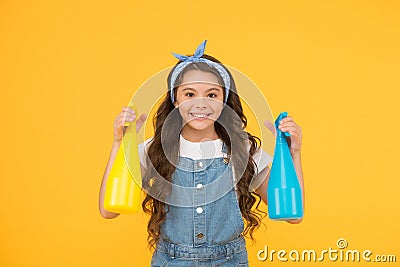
(126, 115)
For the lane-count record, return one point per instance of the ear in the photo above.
(176, 104)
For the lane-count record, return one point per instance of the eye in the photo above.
(189, 94)
(212, 95)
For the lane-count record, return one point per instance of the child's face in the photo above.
(200, 99)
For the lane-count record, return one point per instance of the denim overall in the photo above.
(208, 232)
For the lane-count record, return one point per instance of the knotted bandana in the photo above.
(186, 60)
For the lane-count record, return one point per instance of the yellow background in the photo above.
(67, 68)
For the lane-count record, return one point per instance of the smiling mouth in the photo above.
(200, 115)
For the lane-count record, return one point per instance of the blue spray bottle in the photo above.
(284, 194)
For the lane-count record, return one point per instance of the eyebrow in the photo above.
(210, 89)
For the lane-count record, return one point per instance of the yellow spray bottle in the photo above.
(124, 181)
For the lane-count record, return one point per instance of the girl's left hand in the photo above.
(288, 125)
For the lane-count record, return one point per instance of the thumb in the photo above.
(270, 127)
(140, 121)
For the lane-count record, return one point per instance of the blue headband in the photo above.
(197, 58)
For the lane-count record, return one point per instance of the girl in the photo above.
(202, 172)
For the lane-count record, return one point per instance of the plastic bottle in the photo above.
(124, 181)
(284, 194)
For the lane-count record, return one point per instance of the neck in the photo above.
(194, 135)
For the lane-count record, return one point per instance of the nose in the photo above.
(201, 102)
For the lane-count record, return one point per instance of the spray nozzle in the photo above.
(281, 116)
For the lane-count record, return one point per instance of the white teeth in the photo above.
(199, 115)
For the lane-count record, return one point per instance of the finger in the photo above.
(294, 134)
(126, 115)
(287, 119)
(271, 127)
(125, 120)
(291, 130)
(130, 112)
(287, 124)
(127, 108)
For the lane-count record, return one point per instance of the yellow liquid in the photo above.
(123, 195)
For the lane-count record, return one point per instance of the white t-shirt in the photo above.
(208, 150)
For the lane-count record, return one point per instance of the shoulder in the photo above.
(145, 143)
(261, 158)
(142, 147)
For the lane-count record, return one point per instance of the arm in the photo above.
(262, 189)
(106, 214)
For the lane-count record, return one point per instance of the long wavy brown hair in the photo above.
(161, 157)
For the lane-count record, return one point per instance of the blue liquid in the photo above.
(285, 204)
